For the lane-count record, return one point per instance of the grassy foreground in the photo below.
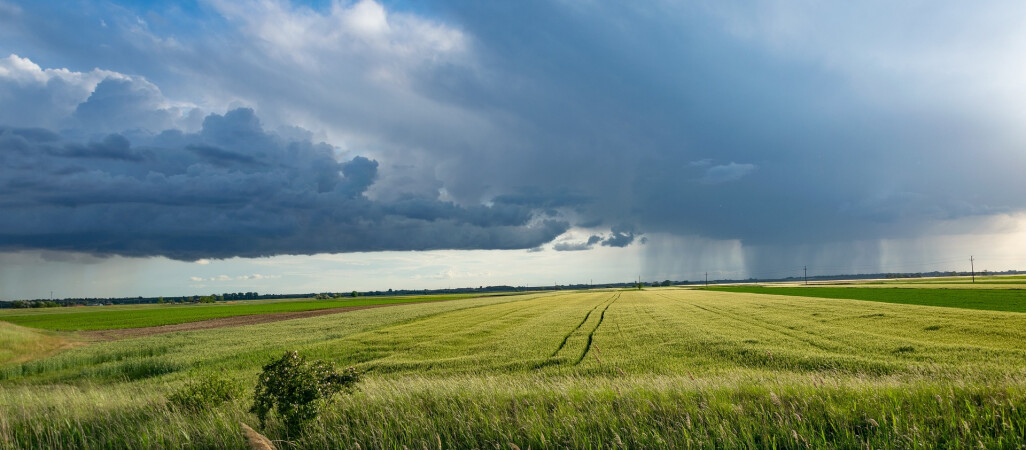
(1013, 300)
(654, 368)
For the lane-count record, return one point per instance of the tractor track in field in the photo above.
(567, 337)
(591, 336)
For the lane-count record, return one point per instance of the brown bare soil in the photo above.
(223, 322)
(256, 441)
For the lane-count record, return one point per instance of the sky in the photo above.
(208, 146)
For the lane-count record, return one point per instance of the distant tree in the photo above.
(208, 299)
(355, 294)
(667, 283)
(160, 300)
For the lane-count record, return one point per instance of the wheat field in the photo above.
(665, 367)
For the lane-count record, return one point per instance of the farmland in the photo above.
(1013, 300)
(20, 343)
(658, 367)
(137, 316)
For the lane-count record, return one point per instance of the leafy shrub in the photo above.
(209, 390)
(296, 389)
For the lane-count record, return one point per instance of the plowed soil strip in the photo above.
(225, 322)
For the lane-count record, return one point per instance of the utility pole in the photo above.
(972, 267)
(707, 279)
(806, 269)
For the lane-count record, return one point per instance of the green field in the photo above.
(137, 316)
(653, 368)
(963, 279)
(1013, 300)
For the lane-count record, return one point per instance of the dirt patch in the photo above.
(222, 322)
(256, 441)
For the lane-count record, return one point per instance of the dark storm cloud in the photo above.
(542, 198)
(571, 246)
(590, 243)
(622, 236)
(218, 156)
(113, 146)
(621, 101)
(773, 124)
(231, 189)
(578, 246)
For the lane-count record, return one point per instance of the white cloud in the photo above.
(227, 278)
(25, 72)
(99, 100)
(453, 273)
(727, 172)
(256, 276)
(363, 31)
(370, 80)
(33, 96)
(365, 18)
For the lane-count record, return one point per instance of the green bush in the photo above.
(209, 390)
(296, 389)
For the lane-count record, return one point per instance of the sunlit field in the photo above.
(992, 299)
(137, 316)
(658, 367)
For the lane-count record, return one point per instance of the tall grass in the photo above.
(18, 343)
(663, 368)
